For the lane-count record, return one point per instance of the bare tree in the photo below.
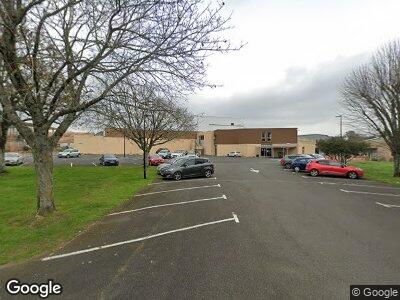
(63, 56)
(143, 116)
(371, 95)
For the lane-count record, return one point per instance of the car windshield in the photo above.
(109, 156)
(176, 161)
(12, 155)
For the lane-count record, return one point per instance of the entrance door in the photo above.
(266, 152)
(263, 152)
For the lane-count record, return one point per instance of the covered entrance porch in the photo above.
(277, 150)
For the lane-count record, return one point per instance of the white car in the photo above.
(12, 159)
(67, 153)
(234, 154)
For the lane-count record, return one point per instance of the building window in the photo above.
(266, 136)
(303, 150)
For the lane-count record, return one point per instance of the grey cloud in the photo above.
(304, 98)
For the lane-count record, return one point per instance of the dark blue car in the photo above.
(299, 164)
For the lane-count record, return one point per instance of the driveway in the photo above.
(253, 231)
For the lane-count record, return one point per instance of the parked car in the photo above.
(178, 153)
(162, 149)
(165, 153)
(234, 154)
(299, 164)
(317, 156)
(286, 161)
(329, 167)
(170, 162)
(155, 160)
(12, 159)
(109, 160)
(67, 153)
(188, 167)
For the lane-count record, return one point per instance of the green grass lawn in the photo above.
(83, 195)
(378, 171)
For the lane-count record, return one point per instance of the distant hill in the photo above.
(314, 136)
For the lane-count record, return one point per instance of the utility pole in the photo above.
(341, 124)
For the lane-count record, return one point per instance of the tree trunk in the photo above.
(396, 164)
(144, 164)
(2, 162)
(44, 179)
(3, 139)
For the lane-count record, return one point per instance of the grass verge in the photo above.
(83, 195)
(378, 171)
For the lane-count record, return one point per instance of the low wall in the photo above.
(93, 144)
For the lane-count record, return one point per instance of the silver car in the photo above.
(13, 159)
(67, 153)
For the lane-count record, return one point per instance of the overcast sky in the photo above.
(297, 54)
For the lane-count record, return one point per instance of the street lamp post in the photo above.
(124, 145)
(341, 124)
(341, 133)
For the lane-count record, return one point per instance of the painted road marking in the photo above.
(255, 171)
(177, 190)
(369, 193)
(169, 204)
(388, 205)
(372, 186)
(234, 218)
(186, 180)
(325, 182)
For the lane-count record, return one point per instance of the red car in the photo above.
(155, 160)
(329, 167)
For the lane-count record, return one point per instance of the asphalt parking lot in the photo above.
(86, 160)
(252, 231)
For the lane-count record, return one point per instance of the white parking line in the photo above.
(369, 193)
(169, 204)
(177, 190)
(234, 218)
(373, 186)
(165, 182)
(255, 171)
(388, 205)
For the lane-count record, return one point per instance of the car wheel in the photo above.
(178, 176)
(287, 166)
(314, 172)
(208, 173)
(297, 169)
(68, 156)
(352, 175)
